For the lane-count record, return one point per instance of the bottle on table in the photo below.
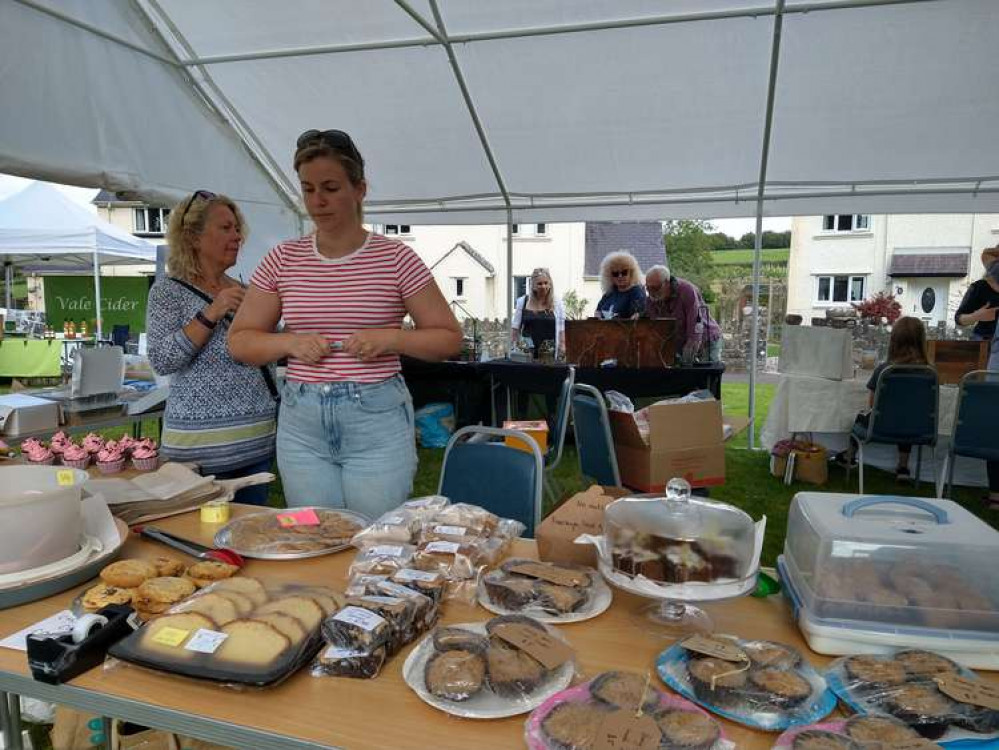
(83, 329)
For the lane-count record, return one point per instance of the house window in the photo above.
(833, 289)
(151, 220)
(519, 287)
(846, 223)
(541, 230)
(515, 229)
(459, 286)
(397, 229)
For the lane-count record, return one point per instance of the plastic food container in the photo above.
(40, 521)
(679, 538)
(871, 573)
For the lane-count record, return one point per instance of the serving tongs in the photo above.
(190, 548)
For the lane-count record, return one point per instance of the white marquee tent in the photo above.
(473, 111)
(42, 230)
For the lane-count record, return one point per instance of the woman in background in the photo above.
(621, 282)
(220, 412)
(981, 301)
(539, 314)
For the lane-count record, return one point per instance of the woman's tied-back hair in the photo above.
(549, 302)
(182, 260)
(319, 148)
(619, 258)
(907, 345)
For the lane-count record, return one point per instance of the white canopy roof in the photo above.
(561, 109)
(43, 230)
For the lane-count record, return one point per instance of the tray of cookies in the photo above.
(857, 733)
(574, 719)
(235, 631)
(507, 666)
(548, 592)
(932, 694)
(292, 533)
(761, 684)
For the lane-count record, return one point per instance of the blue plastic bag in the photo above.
(434, 425)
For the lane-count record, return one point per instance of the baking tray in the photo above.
(224, 536)
(36, 590)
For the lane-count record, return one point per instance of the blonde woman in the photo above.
(981, 301)
(621, 282)
(539, 314)
(220, 412)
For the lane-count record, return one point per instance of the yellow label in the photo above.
(215, 512)
(171, 636)
(66, 477)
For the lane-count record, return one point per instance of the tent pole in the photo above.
(98, 332)
(509, 266)
(754, 341)
(8, 283)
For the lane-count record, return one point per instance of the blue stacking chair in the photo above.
(976, 424)
(906, 404)
(554, 454)
(597, 458)
(480, 469)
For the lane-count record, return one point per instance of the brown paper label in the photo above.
(623, 730)
(710, 646)
(558, 576)
(917, 743)
(964, 690)
(547, 649)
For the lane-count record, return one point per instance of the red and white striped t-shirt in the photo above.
(336, 297)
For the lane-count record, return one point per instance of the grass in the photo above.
(745, 257)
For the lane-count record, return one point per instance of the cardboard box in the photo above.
(582, 513)
(21, 414)
(684, 440)
(536, 429)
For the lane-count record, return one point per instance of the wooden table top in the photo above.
(383, 713)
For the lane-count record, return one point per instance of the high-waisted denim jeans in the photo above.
(347, 445)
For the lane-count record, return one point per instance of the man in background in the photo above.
(697, 334)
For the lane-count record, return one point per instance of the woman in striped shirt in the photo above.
(220, 413)
(345, 433)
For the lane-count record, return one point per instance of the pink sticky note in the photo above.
(306, 517)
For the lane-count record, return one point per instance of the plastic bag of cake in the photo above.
(382, 559)
(930, 693)
(856, 733)
(240, 631)
(615, 704)
(425, 508)
(762, 684)
(399, 526)
(469, 521)
(504, 667)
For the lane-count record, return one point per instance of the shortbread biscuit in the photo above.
(244, 604)
(287, 625)
(251, 643)
(101, 595)
(128, 574)
(302, 608)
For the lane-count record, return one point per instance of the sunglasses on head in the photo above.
(206, 195)
(620, 274)
(333, 138)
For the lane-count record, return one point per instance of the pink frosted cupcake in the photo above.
(36, 452)
(111, 458)
(126, 443)
(59, 442)
(75, 456)
(93, 443)
(146, 455)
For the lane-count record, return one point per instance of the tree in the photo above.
(688, 249)
(721, 241)
(575, 307)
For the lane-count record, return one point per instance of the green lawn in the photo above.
(745, 257)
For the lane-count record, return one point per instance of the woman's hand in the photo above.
(373, 342)
(226, 301)
(308, 347)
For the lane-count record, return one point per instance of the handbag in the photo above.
(810, 460)
(264, 370)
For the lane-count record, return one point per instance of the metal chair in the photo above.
(594, 443)
(975, 432)
(502, 479)
(906, 405)
(554, 453)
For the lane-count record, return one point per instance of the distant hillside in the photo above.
(745, 257)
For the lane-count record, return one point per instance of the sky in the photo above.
(732, 227)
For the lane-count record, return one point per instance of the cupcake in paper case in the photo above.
(36, 452)
(93, 443)
(146, 457)
(75, 456)
(59, 442)
(111, 458)
(127, 443)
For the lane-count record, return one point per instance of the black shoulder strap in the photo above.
(264, 370)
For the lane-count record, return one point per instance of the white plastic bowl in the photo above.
(40, 519)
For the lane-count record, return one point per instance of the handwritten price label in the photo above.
(969, 691)
(547, 649)
(558, 576)
(65, 477)
(709, 646)
(298, 518)
(172, 637)
(622, 730)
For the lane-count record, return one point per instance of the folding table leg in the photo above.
(4, 720)
(860, 465)
(919, 463)
(13, 737)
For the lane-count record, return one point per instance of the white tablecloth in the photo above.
(827, 409)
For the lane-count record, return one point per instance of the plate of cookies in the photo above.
(235, 630)
(292, 533)
(548, 592)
